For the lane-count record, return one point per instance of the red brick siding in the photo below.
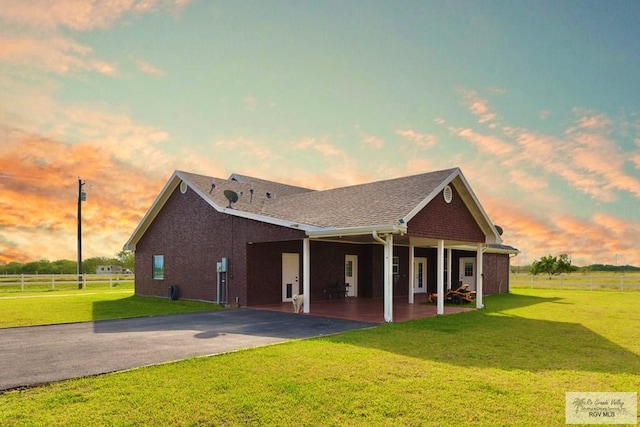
(193, 237)
(495, 268)
(264, 270)
(449, 221)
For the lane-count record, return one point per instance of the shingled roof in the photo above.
(387, 204)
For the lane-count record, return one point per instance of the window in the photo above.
(158, 267)
(468, 269)
(396, 265)
(348, 268)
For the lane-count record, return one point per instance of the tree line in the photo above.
(124, 259)
(552, 265)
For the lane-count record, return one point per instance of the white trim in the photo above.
(440, 275)
(356, 231)
(306, 275)
(431, 196)
(479, 276)
(153, 211)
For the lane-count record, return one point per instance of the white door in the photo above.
(351, 274)
(420, 275)
(290, 275)
(467, 273)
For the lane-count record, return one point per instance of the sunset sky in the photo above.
(538, 102)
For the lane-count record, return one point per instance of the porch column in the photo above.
(480, 278)
(306, 286)
(388, 278)
(440, 268)
(412, 273)
(449, 263)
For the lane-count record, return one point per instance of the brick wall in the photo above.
(449, 221)
(192, 236)
(496, 273)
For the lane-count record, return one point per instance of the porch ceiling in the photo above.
(399, 240)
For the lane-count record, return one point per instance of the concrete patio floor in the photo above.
(370, 309)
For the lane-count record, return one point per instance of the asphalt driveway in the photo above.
(42, 354)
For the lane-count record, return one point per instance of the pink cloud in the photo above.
(250, 102)
(478, 106)
(421, 140)
(147, 68)
(322, 147)
(57, 54)
(371, 141)
(485, 143)
(79, 14)
(251, 148)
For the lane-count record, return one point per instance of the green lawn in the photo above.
(509, 364)
(42, 308)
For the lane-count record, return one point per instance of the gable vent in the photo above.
(448, 194)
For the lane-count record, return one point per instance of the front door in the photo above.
(468, 273)
(351, 274)
(290, 275)
(420, 275)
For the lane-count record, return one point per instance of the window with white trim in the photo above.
(158, 267)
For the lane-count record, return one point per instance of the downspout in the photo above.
(388, 289)
(480, 280)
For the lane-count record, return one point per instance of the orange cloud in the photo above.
(38, 190)
(594, 239)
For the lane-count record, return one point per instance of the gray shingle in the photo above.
(371, 204)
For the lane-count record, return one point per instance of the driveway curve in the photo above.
(43, 354)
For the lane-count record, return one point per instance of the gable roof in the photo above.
(382, 206)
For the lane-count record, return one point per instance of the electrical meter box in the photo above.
(222, 266)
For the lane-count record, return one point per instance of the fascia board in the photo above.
(489, 239)
(495, 238)
(433, 194)
(148, 218)
(272, 220)
(357, 231)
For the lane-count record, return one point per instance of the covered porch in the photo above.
(370, 309)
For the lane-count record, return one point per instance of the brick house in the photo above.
(251, 241)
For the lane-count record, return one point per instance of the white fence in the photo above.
(596, 281)
(53, 282)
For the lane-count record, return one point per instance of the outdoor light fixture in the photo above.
(82, 196)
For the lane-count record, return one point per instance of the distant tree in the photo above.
(36, 267)
(64, 266)
(90, 265)
(552, 265)
(126, 259)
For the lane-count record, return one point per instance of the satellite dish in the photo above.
(499, 229)
(231, 196)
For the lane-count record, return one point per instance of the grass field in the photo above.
(597, 280)
(43, 308)
(508, 364)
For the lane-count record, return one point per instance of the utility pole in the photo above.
(82, 196)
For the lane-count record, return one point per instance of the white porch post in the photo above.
(412, 273)
(449, 263)
(388, 278)
(440, 268)
(480, 278)
(306, 286)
